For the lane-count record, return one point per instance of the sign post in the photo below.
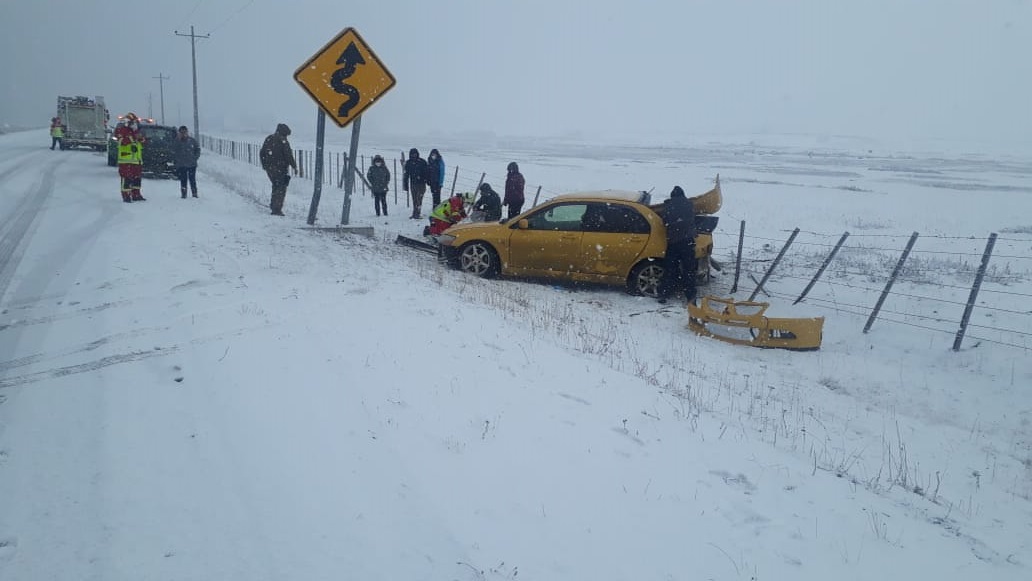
(345, 78)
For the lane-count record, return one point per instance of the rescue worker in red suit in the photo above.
(130, 158)
(446, 214)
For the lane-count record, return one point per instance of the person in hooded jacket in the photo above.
(414, 180)
(447, 213)
(681, 264)
(513, 190)
(379, 180)
(276, 156)
(435, 175)
(488, 207)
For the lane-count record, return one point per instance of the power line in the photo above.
(231, 16)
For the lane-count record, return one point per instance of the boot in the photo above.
(182, 192)
(194, 193)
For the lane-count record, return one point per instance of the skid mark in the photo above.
(92, 345)
(88, 366)
(52, 318)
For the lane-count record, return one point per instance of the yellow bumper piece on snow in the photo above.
(743, 323)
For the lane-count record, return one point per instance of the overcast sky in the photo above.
(889, 69)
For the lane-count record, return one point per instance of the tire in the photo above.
(645, 278)
(480, 259)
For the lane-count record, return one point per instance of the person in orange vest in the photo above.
(446, 214)
(130, 158)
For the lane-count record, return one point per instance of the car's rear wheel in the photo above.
(646, 278)
(479, 258)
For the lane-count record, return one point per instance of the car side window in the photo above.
(561, 217)
(614, 218)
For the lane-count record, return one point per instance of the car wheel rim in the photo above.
(476, 260)
(649, 280)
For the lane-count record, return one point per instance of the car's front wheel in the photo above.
(646, 278)
(479, 258)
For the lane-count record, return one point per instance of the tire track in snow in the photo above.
(16, 230)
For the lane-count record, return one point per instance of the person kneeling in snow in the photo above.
(446, 213)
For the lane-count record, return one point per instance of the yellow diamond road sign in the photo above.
(344, 77)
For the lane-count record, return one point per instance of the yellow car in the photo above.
(608, 237)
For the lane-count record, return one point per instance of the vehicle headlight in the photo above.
(445, 239)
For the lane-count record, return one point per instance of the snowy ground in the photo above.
(193, 389)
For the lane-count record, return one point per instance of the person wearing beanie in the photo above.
(680, 262)
(276, 156)
(379, 178)
(414, 178)
(514, 183)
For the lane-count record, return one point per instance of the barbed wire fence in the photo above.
(813, 267)
(335, 164)
(871, 267)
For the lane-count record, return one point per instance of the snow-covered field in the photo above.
(193, 389)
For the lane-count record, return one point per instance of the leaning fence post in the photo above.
(974, 291)
(892, 280)
(774, 264)
(343, 172)
(536, 197)
(820, 270)
(454, 179)
(738, 260)
(482, 176)
(395, 182)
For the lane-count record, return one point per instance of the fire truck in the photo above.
(85, 121)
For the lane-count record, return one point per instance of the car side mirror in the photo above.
(523, 224)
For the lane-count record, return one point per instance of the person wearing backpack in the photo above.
(276, 156)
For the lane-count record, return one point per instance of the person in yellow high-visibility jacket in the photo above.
(130, 158)
(56, 133)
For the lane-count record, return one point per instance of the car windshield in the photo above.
(158, 133)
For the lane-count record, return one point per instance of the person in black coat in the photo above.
(490, 204)
(681, 264)
(414, 179)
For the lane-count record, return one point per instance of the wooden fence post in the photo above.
(892, 280)
(774, 264)
(738, 259)
(820, 270)
(974, 291)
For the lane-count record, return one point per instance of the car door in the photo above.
(550, 245)
(614, 238)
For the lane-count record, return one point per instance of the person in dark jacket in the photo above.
(680, 262)
(276, 156)
(379, 180)
(185, 152)
(513, 190)
(488, 207)
(414, 180)
(435, 175)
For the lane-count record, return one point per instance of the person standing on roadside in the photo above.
(379, 180)
(56, 133)
(130, 158)
(276, 156)
(185, 152)
(514, 183)
(414, 180)
(435, 175)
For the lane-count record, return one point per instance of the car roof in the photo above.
(621, 195)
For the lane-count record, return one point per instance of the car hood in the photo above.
(477, 228)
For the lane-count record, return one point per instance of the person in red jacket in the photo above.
(446, 214)
(130, 158)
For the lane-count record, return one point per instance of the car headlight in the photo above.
(445, 239)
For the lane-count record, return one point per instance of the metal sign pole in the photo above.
(349, 180)
(320, 137)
